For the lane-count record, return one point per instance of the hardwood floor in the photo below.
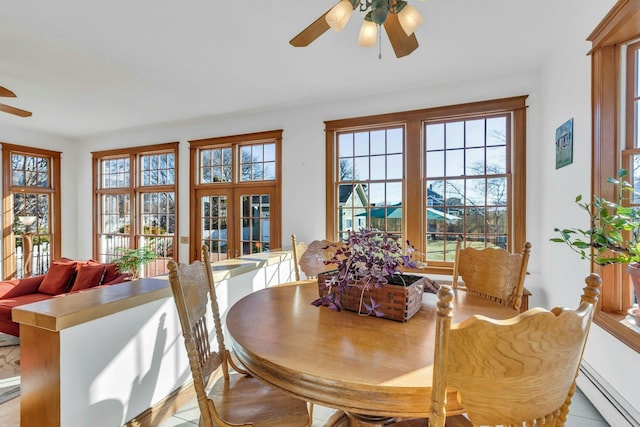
(582, 414)
(10, 413)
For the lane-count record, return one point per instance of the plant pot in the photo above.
(398, 300)
(634, 273)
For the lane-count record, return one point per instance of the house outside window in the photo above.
(32, 194)
(369, 187)
(615, 115)
(430, 176)
(468, 182)
(236, 193)
(135, 202)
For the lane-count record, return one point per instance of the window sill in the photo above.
(616, 325)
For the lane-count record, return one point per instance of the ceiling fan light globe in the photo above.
(339, 15)
(410, 19)
(27, 220)
(368, 34)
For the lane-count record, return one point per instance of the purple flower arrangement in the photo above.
(367, 259)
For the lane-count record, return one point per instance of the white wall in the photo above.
(114, 368)
(566, 93)
(303, 145)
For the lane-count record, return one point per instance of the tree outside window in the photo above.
(136, 203)
(237, 192)
(31, 237)
(432, 175)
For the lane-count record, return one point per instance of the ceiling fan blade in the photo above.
(15, 111)
(312, 32)
(402, 44)
(4, 92)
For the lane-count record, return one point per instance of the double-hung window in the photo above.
(369, 183)
(467, 182)
(615, 85)
(631, 151)
(135, 202)
(32, 237)
(430, 176)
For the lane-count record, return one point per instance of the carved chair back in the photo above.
(493, 273)
(513, 371)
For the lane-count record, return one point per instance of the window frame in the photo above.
(55, 221)
(464, 178)
(413, 122)
(370, 181)
(619, 27)
(134, 190)
(236, 185)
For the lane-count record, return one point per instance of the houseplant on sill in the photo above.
(368, 277)
(131, 260)
(614, 236)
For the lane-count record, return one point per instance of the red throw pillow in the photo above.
(110, 272)
(89, 275)
(57, 278)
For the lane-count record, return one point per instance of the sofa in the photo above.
(64, 277)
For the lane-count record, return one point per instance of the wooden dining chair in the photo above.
(234, 398)
(518, 371)
(493, 273)
(298, 249)
(309, 258)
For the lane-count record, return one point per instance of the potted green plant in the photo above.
(131, 261)
(614, 236)
(365, 264)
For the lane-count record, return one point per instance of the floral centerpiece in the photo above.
(367, 261)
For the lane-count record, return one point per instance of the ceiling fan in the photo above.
(399, 19)
(6, 93)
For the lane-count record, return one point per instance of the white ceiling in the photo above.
(94, 66)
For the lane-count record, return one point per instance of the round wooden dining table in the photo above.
(374, 369)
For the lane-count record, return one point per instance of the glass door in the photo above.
(216, 212)
(235, 222)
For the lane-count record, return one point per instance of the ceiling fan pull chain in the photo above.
(379, 41)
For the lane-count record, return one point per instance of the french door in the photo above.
(236, 221)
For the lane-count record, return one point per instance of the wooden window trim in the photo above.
(196, 186)
(412, 121)
(134, 187)
(630, 98)
(119, 152)
(620, 25)
(9, 269)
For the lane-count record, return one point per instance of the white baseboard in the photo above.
(613, 407)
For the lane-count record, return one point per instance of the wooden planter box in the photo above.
(398, 301)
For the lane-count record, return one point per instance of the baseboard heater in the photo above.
(611, 405)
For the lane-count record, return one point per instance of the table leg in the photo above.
(344, 419)
(337, 419)
(359, 420)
